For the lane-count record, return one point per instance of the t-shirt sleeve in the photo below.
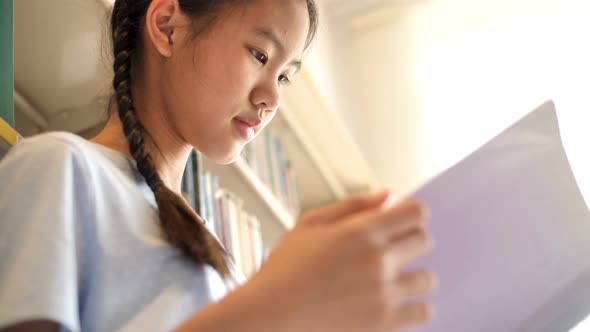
(43, 199)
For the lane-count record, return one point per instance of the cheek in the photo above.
(206, 93)
(220, 62)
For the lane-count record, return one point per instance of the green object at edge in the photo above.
(7, 61)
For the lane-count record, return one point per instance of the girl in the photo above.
(95, 235)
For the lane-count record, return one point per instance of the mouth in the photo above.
(245, 129)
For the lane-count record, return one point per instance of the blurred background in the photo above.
(422, 83)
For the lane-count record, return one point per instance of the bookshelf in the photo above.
(256, 194)
(264, 194)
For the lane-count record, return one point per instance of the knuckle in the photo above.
(417, 209)
(357, 202)
(420, 312)
(352, 232)
(423, 280)
(428, 240)
(383, 269)
(432, 281)
(412, 314)
(360, 232)
(424, 238)
(382, 310)
(307, 215)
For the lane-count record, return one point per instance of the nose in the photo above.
(266, 96)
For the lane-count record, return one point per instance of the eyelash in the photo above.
(284, 80)
(263, 58)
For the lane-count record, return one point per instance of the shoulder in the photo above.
(53, 166)
(44, 167)
(52, 147)
(63, 152)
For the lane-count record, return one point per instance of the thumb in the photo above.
(345, 207)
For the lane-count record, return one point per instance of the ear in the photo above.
(162, 22)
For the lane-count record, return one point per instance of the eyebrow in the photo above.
(269, 34)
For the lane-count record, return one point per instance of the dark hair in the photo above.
(182, 227)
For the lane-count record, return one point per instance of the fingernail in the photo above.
(381, 192)
(391, 199)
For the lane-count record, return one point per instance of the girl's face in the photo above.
(223, 87)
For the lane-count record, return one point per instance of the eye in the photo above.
(284, 80)
(261, 57)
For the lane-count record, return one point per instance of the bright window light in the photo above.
(476, 81)
(584, 326)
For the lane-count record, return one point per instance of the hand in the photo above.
(339, 269)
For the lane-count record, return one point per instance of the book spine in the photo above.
(216, 208)
(245, 248)
(255, 242)
(210, 196)
(269, 160)
(282, 171)
(240, 233)
(234, 230)
(197, 178)
(223, 225)
(292, 189)
(8, 137)
(202, 194)
(8, 133)
(253, 160)
(206, 196)
(188, 182)
(261, 160)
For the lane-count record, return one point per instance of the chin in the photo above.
(223, 157)
(228, 160)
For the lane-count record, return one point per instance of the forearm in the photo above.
(245, 310)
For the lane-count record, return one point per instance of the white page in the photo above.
(512, 235)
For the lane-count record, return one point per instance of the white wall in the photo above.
(441, 77)
(328, 63)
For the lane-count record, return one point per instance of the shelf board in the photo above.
(264, 193)
(326, 138)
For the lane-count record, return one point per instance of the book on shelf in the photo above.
(8, 137)
(238, 230)
(267, 158)
(197, 163)
(208, 189)
(292, 193)
(187, 184)
(214, 190)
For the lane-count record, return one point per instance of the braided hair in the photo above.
(182, 227)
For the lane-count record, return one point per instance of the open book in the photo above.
(512, 235)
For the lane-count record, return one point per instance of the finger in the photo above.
(341, 209)
(416, 283)
(409, 247)
(412, 314)
(393, 221)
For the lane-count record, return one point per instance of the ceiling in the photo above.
(56, 82)
(351, 9)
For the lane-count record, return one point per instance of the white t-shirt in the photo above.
(80, 243)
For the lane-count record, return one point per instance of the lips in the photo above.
(245, 130)
(251, 122)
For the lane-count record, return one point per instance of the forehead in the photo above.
(287, 19)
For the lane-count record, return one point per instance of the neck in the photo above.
(169, 153)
